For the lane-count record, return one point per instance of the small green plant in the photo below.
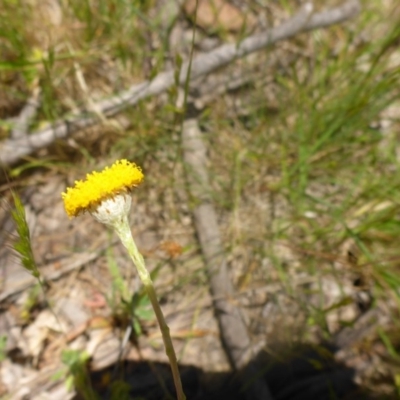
(23, 246)
(125, 306)
(120, 390)
(77, 376)
(3, 346)
(30, 303)
(119, 288)
(141, 311)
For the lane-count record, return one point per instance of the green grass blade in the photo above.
(23, 244)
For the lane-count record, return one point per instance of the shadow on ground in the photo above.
(309, 374)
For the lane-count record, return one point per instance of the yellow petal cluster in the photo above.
(87, 194)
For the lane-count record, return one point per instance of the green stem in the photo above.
(124, 232)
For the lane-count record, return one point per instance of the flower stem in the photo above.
(124, 232)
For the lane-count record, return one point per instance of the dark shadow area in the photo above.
(309, 373)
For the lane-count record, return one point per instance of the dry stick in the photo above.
(50, 273)
(233, 330)
(362, 327)
(13, 150)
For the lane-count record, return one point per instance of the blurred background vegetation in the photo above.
(303, 159)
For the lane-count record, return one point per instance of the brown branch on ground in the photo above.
(233, 330)
(49, 273)
(12, 150)
(362, 327)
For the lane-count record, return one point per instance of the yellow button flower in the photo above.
(87, 195)
(106, 196)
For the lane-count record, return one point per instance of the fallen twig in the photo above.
(49, 273)
(12, 150)
(233, 330)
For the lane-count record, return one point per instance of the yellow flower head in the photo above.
(86, 195)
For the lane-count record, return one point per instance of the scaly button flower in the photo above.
(87, 195)
(106, 196)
